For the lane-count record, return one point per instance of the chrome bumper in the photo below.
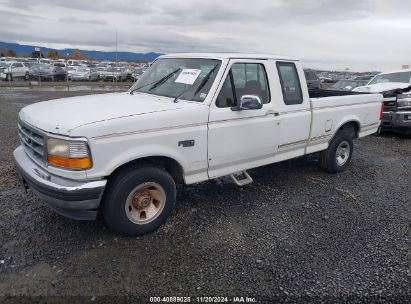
(400, 120)
(72, 199)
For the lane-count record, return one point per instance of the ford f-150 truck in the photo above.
(188, 119)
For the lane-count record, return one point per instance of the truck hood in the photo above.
(382, 87)
(61, 116)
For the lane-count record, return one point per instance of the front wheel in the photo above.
(138, 200)
(339, 153)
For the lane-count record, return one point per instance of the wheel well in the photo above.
(351, 126)
(167, 163)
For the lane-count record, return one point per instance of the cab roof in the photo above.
(228, 56)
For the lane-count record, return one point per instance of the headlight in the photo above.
(404, 100)
(404, 103)
(69, 154)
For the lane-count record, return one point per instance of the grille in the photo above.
(33, 141)
(390, 104)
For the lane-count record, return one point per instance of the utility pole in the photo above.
(116, 60)
(116, 47)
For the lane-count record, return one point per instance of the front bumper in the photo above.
(399, 121)
(111, 78)
(72, 199)
(79, 78)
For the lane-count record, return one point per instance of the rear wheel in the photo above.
(339, 153)
(138, 200)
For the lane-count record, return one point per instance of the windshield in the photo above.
(348, 84)
(4, 65)
(404, 77)
(185, 78)
(45, 66)
(114, 69)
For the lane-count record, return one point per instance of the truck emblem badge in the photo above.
(186, 143)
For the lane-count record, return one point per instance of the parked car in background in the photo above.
(80, 74)
(327, 80)
(137, 73)
(114, 74)
(3, 67)
(47, 72)
(99, 71)
(70, 70)
(14, 70)
(313, 82)
(126, 68)
(395, 87)
(364, 78)
(76, 62)
(94, 74)
(61, 64)
(44, 61)
(347, 84)
(135, 76)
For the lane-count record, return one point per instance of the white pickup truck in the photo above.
(188, 119)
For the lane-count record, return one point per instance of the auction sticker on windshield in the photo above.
(188, 76)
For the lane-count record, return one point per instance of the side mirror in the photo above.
(248, 102)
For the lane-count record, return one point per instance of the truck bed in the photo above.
(319, 93)
(332, 109)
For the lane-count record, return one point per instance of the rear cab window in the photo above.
(290, 83)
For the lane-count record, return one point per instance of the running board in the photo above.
(241, 178)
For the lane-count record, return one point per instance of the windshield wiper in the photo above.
(156, 83)
(162, 80)
(200, 86)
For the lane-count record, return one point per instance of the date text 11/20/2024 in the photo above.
(203, 300)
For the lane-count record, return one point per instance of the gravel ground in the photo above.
(296, 234)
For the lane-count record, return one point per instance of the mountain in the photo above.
(22, 49)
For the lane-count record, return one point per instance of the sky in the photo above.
(327, 34)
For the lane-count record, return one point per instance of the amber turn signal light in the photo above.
(70, 163)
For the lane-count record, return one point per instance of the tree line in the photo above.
(50, 54)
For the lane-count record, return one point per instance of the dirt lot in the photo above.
(295, 234)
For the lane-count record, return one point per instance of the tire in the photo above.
(339, 153)
(138, 200)
(9, 77)
(379, 131)
(27, 77)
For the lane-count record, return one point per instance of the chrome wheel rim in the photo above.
(343, 153)
(145, 203)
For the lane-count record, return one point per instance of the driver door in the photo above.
(242, 139)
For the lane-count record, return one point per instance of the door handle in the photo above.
(272, 112)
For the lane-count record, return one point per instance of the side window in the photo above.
(244, 79)
(226, 96)
(290, 83)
